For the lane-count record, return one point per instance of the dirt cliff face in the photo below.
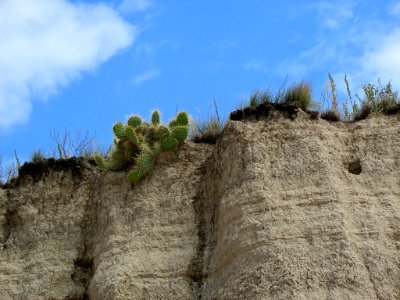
(279, 208)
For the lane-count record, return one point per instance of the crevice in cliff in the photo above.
(82, 274)
(84, 263)
(195, 270)
(83, 270)
(12, 220)
(206, 209)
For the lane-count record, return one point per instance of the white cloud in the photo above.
(132, 6)
(347, 42)
(384, 60)
(47, 43)
(148, 75)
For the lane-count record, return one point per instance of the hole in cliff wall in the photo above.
(354, 167)
(82, 275)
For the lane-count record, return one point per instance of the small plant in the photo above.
(138, 143)
(299, 95)
(18, 162)
(38, 156)
(67, 145)
(377, 100)
(333, 94)
(208, 131)
(363, 113)
(257, 98)
(9, 173)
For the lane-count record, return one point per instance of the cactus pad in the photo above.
(172, 124)
(131, 135)
(101, 162)
(182, 119)
(161, 133)
(155, 118)
(119, 130)
(180, 133)
(168, 144)
(144, 162)
(134, 176)
(134, 121)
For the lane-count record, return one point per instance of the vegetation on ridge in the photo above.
(138, 143)
(209, 130)
(377, 99)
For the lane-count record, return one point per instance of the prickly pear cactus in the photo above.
(137, 144)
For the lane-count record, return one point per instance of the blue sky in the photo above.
(83, 65)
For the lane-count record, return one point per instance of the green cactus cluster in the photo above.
(137, 144)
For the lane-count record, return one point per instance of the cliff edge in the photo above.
(279, 208)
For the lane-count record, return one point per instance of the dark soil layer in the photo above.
(263, 110)
(330, 116)
(206, 139)
(37, 170)
(391, 110)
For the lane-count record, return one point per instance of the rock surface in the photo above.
(279, 208)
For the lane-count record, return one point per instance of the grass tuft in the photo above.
(299, 95)
(208, 131)
(38, 156)
(257, 98)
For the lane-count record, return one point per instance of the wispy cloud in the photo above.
(132, 6)
(347, 42)
(384, 59)
(255, 65)
(334, 14)
(46, 44)
(146, 76)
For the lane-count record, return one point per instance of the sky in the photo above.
(82, 65)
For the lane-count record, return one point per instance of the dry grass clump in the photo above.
(299, 95)
(208, 131)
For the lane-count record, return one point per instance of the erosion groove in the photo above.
(284, 207)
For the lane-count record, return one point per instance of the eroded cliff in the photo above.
(279, 208)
